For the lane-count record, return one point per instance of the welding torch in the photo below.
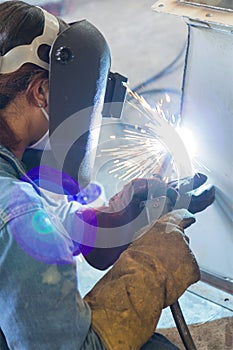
(154, 211)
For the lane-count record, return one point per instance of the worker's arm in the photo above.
(42, 307)
(111, 229)
(150, 275)
(108, 231)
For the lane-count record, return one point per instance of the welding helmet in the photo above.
(80, 82)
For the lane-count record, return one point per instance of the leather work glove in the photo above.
(151, 274)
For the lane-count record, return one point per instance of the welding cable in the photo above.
(167, 70)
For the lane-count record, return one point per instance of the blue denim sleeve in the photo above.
(66, 211)
(40, 307)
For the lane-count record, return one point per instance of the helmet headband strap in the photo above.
(19, 55)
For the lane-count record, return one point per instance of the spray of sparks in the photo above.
(142, 150)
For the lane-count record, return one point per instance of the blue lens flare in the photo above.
(40, 238)
(53, 180)
(87, 195)
(87, 220)
(41, 223)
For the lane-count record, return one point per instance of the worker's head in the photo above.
(53, 76)
(20, 23)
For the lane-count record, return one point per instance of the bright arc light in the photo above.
(188, 140)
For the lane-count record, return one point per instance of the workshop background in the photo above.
(149, 48)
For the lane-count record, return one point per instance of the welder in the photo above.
(54, 78)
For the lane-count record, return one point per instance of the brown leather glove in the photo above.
(151, 274)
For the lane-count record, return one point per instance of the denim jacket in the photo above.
(40, 307)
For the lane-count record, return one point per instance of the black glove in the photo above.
(131, 200)
(127, 210)
(143, 201)
(192, 194)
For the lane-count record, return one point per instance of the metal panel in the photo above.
(209, 16)
(215, 4)
(207, 110)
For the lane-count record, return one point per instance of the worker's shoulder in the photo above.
(17, 197)
(17, 190)
(15, 186)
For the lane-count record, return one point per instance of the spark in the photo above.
(153, 147)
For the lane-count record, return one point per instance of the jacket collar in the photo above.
(15, 167)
